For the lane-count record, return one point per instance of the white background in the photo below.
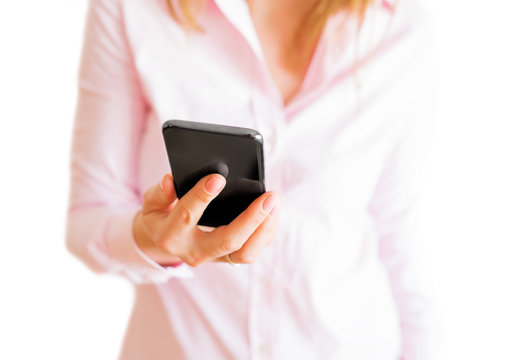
(475, 215)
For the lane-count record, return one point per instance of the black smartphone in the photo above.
(196, 149)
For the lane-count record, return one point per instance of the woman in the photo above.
(338, 90)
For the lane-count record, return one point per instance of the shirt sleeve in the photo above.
(109, 118)
(395, 206)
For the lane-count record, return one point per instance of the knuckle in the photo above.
(192, 258)
(229, 244)
(185, 215)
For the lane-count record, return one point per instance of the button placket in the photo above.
(269, 122)
(258, 316)
(265, 328)
(262, 317)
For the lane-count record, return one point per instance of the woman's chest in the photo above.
(326, 155)
(328, 146)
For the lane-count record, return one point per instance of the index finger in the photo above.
(189, 209)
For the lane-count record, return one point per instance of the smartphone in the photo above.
(196, 149)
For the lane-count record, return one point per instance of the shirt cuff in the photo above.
(134, 263)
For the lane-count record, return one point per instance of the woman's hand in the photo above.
(166, 228)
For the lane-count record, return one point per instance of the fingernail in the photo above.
(268, 204)
(213, 185)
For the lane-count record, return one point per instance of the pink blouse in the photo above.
(342, 278)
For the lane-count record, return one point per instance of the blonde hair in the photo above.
(316, 19)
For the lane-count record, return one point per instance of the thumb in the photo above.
(160, 196)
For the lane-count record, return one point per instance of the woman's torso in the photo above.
(319, 290)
